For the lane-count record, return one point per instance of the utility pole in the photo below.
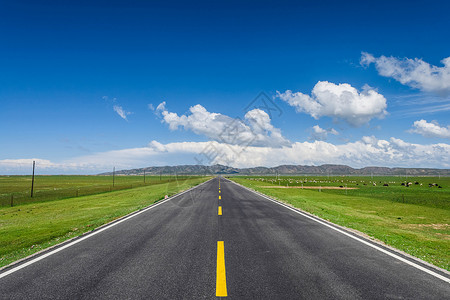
(114, 173)
(32, 180)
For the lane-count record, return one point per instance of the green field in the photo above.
(17, 189)
(28, 228)
(414, 219)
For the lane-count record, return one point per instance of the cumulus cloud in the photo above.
(365, 152)
(121, 112)
(255, 130)
(339, 101)
(320, 134)
(415, 73)
(432, 129)
(368, 151)
(157, 146)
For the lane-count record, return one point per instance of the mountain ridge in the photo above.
(326, 169)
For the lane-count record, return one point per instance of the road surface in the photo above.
(241, 246)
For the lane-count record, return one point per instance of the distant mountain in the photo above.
(282, 170)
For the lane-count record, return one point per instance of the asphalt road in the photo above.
(171, 251)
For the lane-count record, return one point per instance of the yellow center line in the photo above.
(219, 191)
(220, 197)
(220, 210)
(221, 280)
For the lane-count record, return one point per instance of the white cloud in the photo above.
(432, 129)
(157, 146)
(150, 106)
(415, 72)
(340, 101)
(43, 166)
(121, 112)
(256, 128)
(161, 106)
(320, 134)
(26, 163)
(369, 151)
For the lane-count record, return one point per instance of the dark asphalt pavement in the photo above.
(170, 252)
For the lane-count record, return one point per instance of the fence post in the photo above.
(32, 180)
(114, 173)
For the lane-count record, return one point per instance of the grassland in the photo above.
(17, 189)
(414, 219)
(28, 228)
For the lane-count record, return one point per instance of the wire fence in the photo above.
(15, 190)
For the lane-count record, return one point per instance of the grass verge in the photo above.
(418, 230)
(29, 228)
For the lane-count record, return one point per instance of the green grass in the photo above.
(32, 227)
(66, 186)
(364, 187)
(413, 219)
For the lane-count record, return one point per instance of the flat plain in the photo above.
(54, 187)
(253, 248)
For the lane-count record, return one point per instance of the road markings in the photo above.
(219, 191)
(220, 210)
(351, 236)
(221, 280)
(96, 231)
(220, 197)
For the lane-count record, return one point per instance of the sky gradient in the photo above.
(88, 85)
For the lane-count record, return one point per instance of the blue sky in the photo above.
(69, 69)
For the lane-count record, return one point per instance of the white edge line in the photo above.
(349, 235)
(92, 233)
